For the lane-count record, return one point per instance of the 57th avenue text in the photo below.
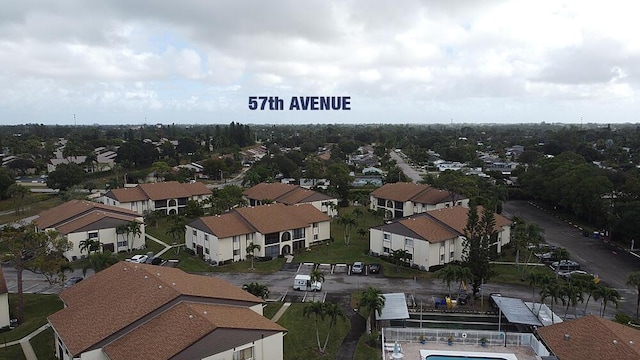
(300, 103)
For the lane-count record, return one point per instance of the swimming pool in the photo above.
(464, 355)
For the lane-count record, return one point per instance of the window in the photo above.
(206, 237)
(272, 238)
(451, 255)
(387, 236)
(206, 251)
(408, 242)
(380, 202)
(298, 233)
(286, 236)
(315, 225)
(160, 204)
(93, 235)
(386, 250)
(441, 257)
(244, 354)
(194, 232)
(399, 205)
(315, 236)
(236, 252)
(249, 237)
(122, 243)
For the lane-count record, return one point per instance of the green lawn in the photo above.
(301, 343)
(271, 309)
(36, 309)
(366, 352)
(13, 353)
(44, 345)
(260, 267)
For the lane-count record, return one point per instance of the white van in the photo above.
(303, 282)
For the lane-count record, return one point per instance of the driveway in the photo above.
(597, 256)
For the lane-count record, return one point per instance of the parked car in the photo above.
(140, 259)
(567, 274)
(374, 268)
(565, 265)
(71, 281)
(357, 267)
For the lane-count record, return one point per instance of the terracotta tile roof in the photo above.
(3, 283)
(76, 208)
(116, 297)
(456, 217)
(184, 324)
(592, 337)
(159, 191)
(277, 217)
(418, 193)
(92, 218)
(284, 193)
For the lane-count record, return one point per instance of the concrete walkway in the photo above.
(29, 354)
(284, 308)
(167, 247)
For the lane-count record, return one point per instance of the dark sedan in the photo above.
(375, 268)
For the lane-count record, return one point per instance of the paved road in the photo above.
(34, 283)
(596, 256)
(413, 174)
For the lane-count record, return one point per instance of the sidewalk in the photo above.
(29, 354)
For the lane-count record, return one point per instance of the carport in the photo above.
(515, 310)
(395, 310)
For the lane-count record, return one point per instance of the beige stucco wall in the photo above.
(4, 310)
(106, 236)
(269, 348)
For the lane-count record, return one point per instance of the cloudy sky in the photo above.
(195, 61)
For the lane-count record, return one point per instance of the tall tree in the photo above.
(39, 252)
(333, 312)
(607, 295)
(399, 256)
(537, 279)
(478, 236)
(349, 222)
(251, 251)
(553, 292)
(315, 309)
(633, 279)
(65, 176)
(372, 300)
(18, 193)
(99, 261)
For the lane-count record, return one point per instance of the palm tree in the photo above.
(251, 248)
(591, 288)
(99, 261)
(399, 256)
(315, 308)
(537, 279)
(349, 222)
(176, 227)
(259, 290)
(633, 279)
(316, 276)
(90, 245)
(448, 274)
(572, 293)
(362, 232)
(372, 300)
(133, 228)
(607, 295)
(334, 312)
(552, 291)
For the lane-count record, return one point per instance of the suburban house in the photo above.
(432, 238)
(405, 199)
(279, 230)
(80, 220)
(170, 197)
(5, 319)
(591, 337)
(141, 311)
(287, 194)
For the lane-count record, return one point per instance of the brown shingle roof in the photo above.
(442, 224)
(92, 218)
(74, 209)
(457, 217)
(159, 191)
(224, 226)
(116, 297)
(184, 323)
(592, 337)
(277, 217)
(284, 193)
(428, 229)
(418, 193)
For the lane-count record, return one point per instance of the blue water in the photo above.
(443, 357)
